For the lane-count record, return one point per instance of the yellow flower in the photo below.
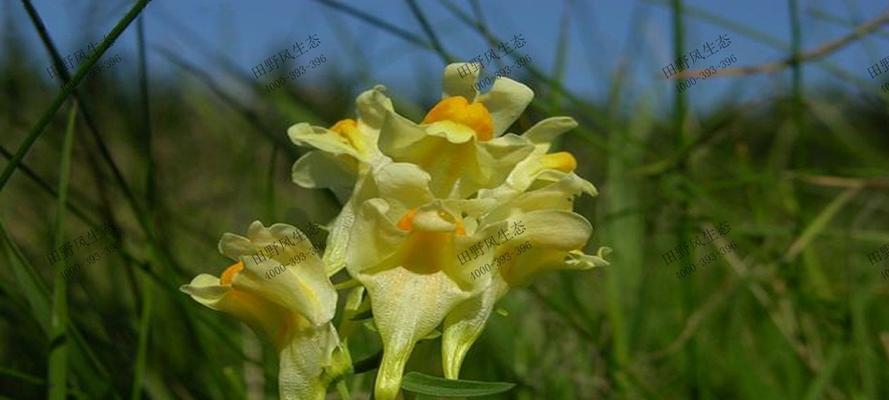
(541, 166)
(462, 142)
(406, 260)
(429, 196)
(551, 238)
(279, 287)
(345, 150)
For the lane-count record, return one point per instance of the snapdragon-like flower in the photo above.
(406, 260)
(345, 150)
(553, 238)
(431, 203)
(462, 142)
(345, 153)
(279, 287)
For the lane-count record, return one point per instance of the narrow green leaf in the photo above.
(38, 296)
(820, 222)
(435, 386)
(145, 279)
(58, 352)
(69, 87)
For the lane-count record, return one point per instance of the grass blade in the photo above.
(58, 352)
(145, 279)
(69, 87)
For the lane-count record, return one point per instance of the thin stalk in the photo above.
(147, 293)
(436, 44)
(270, 187)
(144, 329)
(43, 184)
(560, 56)
(58, 352)
(141, 215)
(683, 226)
(796, 45)
(370, 19)
(69, 87)
(343, 390)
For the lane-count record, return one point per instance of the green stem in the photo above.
(343, 390)
(69, 87)
(144, 325)
(58, 353)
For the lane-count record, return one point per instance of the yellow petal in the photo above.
(302, 364)
(505, 101)
(550, 235)
(323, 139)
(562, 161)
(280, 266)
(373, 105)
(543, 172)
(464, 325)
(317, 169)
(459, 80)
(458, 165)
(544, 132)
(268, 319)
(348, 131)
(407, 306)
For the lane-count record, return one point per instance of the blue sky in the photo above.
(600, 33)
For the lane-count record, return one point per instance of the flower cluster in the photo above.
(420, 197)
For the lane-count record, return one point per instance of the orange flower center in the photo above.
(407, 220)
(229, 274)
(406, 223)
(458, 109)
(348, 130)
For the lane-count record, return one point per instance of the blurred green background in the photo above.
(175, 141)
